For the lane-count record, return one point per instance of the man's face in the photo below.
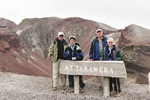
(99, 34)
(72, 41)
(60, 37)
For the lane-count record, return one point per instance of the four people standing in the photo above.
(101, 49)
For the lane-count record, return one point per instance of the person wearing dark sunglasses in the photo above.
(56, 52)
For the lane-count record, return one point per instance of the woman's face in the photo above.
(110, 43)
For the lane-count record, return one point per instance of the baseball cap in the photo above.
(99, 30)
(72, 37)
(60, 33)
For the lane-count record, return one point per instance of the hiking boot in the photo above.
(117, 95)
(81, 90)
(64, 88)
(112, 93)
(71, 89)
(54, 88)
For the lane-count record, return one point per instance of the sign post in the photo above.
(76, 84)
(106, 87)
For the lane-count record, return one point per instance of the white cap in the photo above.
(60, 33)
(99, 30)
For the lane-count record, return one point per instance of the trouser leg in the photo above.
(62, 78)
(55, 74)
(110, 84)
(116, 82)
(81, 83)
(71, 81)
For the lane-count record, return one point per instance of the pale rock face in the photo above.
(19, 32)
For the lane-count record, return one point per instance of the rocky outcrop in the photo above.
(7, 23)
(17, 58)
(135, 43)
(8, 40)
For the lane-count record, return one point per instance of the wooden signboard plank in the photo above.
(95, 68)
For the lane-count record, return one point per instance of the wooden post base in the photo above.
(76, 84)
(106, 87)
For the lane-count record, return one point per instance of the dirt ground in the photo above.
(23, 87)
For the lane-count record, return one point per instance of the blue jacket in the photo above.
(114, 54)
(69, 53)
(94, 50)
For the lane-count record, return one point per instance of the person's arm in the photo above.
(91, 52)
(80, 55)
(67, 54)
(51, 50)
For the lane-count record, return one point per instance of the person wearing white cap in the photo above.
(73, 52)
(60, 34)
(56, 51)
(97, 48)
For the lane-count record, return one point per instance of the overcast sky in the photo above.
(116, 13)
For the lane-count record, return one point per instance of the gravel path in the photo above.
(22, 87)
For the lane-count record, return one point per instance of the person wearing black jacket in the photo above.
(73, 52)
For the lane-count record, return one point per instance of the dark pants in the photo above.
(71, 81)
(114, 84)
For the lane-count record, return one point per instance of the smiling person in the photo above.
(56, 51)
(97, 46)
(97, 49)
(73, 52)
(113, 53)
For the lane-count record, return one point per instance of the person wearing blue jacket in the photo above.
(73, 52)
(98, 46)
(113, 53)
(97, 49)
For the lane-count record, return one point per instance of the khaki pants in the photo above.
(100, 78)
(57, 77)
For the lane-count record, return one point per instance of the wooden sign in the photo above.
(96, 68)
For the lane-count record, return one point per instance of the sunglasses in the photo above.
(110, 42)
(60, 35)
